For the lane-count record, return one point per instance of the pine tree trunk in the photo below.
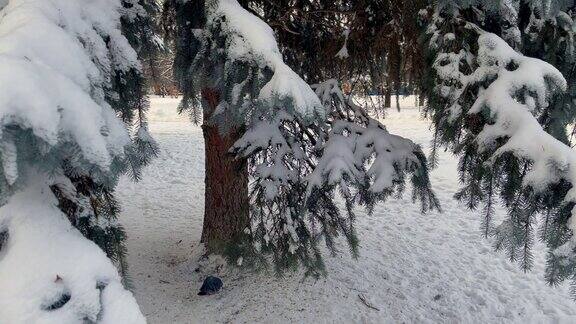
(154, 78)
(421, 100)
(388, 97)
(226, 206)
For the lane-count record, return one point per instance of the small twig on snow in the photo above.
(366, 302)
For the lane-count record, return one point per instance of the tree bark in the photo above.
(388, 97)
(421, 100)
(154, 78)
(226, 205)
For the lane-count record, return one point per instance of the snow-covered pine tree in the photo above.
(300, 148)
(505, 115)
(64, 69)
(91, 206)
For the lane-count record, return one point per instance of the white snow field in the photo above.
(413, 268)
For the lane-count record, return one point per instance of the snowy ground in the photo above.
(433, 268)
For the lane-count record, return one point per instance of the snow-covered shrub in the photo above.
(64, 69)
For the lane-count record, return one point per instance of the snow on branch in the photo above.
(56, 59)
(59, 61)
(50, 273)
(522, 88)
(298, 168)
(361, 153)
(519, 88)
(355, 151)
(495, 108)
(251, 40)
(350, 146)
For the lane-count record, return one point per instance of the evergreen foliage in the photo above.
(90, 205)
(71, 89)
(506, 115)
(380, 38)
(304, 148)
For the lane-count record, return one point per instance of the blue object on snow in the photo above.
(210, 286)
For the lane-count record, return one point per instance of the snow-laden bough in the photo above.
(57, 59)
(498, 110)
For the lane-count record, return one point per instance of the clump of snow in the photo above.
(447, 66)
(56, 58)
(275, 171)
(449, 36)
(343, 52)
(514, 119)
(133, 10)
(49, 273)
(251, 38)
(353, 145)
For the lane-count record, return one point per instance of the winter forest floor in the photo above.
(414, 268)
